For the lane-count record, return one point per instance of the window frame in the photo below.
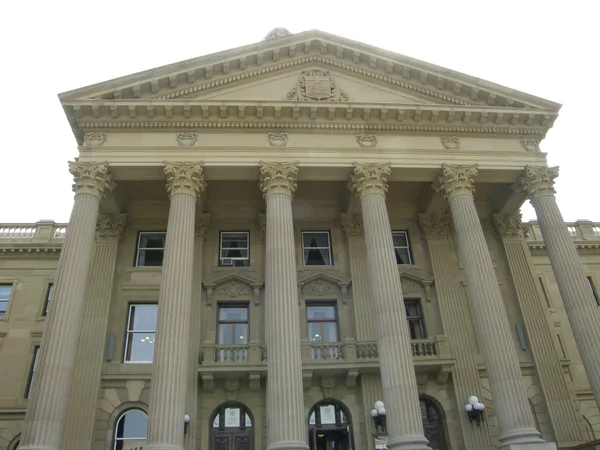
(228, 305)
(131, 332)
(48, 299)
(335, 320)
(408, 247)
(590, 279)
(32, 371)
(247, 248)
(137, 247)
(330, 248)
(4, 314)
(420, 319)
(115, 439)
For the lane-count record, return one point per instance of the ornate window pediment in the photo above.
(233, 286)
(414, 280)
(323, 284)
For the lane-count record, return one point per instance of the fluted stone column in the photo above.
(454, 310)
(286, 423)
(168, 390)
(550, 373)
(81, 410)
(515, 421)
(47, 406)
(574, 287)
(399, 384)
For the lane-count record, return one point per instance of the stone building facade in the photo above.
(266, 241)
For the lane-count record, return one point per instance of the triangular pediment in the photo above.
(232, 278)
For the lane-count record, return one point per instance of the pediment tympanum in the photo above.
(233, 286)
(325, 285)
(415, 281)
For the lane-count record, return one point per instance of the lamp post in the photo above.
(378, 415)
(475, 410)
(186, 423)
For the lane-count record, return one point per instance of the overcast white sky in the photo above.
(546, 48)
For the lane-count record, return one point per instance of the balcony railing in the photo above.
(582, 230)
(32, 233)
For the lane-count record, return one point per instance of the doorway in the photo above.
(329, 427)
(232, 428)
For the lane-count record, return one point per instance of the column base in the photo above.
(163, 447)
(288, 445)
(538, 446)
(408, 443)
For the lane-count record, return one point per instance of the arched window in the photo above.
(329, 426)
(130, 430)
(232, 427)
(433, 424)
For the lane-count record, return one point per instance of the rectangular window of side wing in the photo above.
(234, 249)
(232, 332)
(47, 302)
(414, 316)
(140, 333)
(594, 292)
(402, 247)
(316, 248)
(150, 248)
(32, 371)
(5, 290)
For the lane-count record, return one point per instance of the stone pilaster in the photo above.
(285, 398)
(81, 411)
(515, 422)
(575, 290)
(43, 427)
(170, 371)
(550, 373)
(399, 385)
(370, 387)
(457, 322)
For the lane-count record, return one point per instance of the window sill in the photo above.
(144, 269)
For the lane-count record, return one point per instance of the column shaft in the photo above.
(47, 406)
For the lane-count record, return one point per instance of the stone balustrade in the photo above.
(582, 230)
(42, 232)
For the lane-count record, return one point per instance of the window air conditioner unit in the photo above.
(227, 261)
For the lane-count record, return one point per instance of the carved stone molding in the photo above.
(537, 181)
(351, 378)
(434, 224)
(307, 377)
(450, 142)
(91, 178)
(414, 280)
(262, 223)
(201, 224)
(187, 139)
(317, 85)
(110, 228)
(233, 286)
(94, 139)
(233, 289)
(278, 139)
(456, 180)
(185, 178)
(327, 381)
(254, 381)
(530, 144)
(323, 284)
(352, 225)
(319, 288)
(510, 226)
(208, 382)
(278, 178)
(370, 179)
(366, 140)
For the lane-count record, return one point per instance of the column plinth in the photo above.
(47, 406)
(515, 422)
(286, 423)
(168, 391)
(574, 287)
(398, 380)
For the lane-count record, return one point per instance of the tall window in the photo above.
(141, 330)
(232, 330)
(402, 247)
(321, 319)
(32, 371)
(414, 316)
(5, 290)
(48, 299)
(594, 290)
(130, 431)
(316, 248)
(150, 248)
(234, 249)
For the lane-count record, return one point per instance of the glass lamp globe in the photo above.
(374, 413)
(469, 407)
(379, 404)
(473, 400)
(479, 407)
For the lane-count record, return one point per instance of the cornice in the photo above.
(582, 246)
(29, 252)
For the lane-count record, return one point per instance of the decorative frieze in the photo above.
(278, 139)
(91, 178)
(530, 144)
(185, 178)
(366, 140)
(537, 181)
(278, 178)
(94, 138)
(234, 289)
(456, 180)
(187, 139)
(110, 227)
(317, 85)
(370, 179)
(450, 142)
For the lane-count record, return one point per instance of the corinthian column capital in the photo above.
(434, 224)
(537, 181)
(456, 180)
(110, 228)
(510, 226)
(278, 178)
(91, 178)
(185, 178)
(370, 179)
(352, 225)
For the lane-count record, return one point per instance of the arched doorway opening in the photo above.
(433, 424)
(329, 427)
(231, 428)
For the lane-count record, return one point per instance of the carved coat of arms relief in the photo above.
(317, 86)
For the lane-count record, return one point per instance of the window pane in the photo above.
(240, 333)
(317, 257)
(330, 332)
(143, 317)
(400, 239)
(216, 421)
(312, 420)
(412, 309)
(320, 312)
(225, 334)
(3, 307)
(327, 414)
(232, 417)
(402, 255)
(233, 314)
(133, 425)
(36, 354)
(5, 291)
(140, 347)
(315, 240)
(248, 421)
(234, 253)
(152, 240)
(150, 258)
(315, 335)
(48, 298)
(234, 240)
